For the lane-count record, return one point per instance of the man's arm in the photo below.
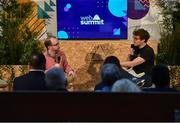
(135, 62)
(67, 68)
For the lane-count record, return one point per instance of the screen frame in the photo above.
(89, 39)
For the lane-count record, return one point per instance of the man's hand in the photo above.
(72, 74)
(57, 65)
(131, 51)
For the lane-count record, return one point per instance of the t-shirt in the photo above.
(50, 62)
(147, 54)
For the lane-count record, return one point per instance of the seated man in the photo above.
(35, 79)
(55, 57)
(141, 58)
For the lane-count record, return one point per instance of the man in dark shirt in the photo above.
(34, 80)
(141, 58)
(147, 54)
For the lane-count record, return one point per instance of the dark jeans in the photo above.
(144, 81)
(147, 82)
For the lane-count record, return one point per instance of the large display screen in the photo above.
(92, 19)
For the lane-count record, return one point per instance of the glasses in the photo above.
(136, 38)
(55, 44)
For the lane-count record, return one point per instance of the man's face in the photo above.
(55, 45)
(138, 41)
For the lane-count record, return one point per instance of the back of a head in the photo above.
(37, 61)
(56, 79)
(125, 85)
(112, 60)
(142, 33)
(160, 76)
(110, 73)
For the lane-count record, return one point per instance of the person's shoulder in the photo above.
(99, 86)
(160, 90)
(20, 78)
(149, 89)
(149, 47)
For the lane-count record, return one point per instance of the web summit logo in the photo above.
(89, 20)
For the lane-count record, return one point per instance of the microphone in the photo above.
(135, 52)
(135, 48)
(57, 59)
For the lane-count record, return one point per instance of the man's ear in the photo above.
(143, 40)
(48, 47)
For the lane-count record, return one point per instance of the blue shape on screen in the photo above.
(85, 19)
(139, 5)
(117, 32)
(68, 5)
(117, 7)
(66, 9)
(62, 35)
(125, 23)
(125, 18)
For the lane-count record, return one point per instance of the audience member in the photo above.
(123, 73)
(109, 74)
(56, 79)
(161, 79)
(125, 85)
(112, 60)
(35, 79)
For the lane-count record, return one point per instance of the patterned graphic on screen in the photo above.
(92, 19)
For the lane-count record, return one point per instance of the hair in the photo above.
(110, 73)
(115, 60)
(125, 85)
(142, 33)
(160, 76)
(37, 61)
(48, 42)
(112, 60)
(56, 79)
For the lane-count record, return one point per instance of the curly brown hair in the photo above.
(142, 33)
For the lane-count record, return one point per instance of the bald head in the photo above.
(37, 61)
(51, 43)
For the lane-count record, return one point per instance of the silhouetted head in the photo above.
(112, 60)
(125, 85)
(110, 73)
(37, 61)
(160, 76)
(56, 79)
